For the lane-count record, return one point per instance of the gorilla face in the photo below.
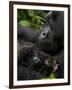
(37, 58)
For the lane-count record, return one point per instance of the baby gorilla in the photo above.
(32, 63)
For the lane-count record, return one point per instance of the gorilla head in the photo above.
(51, 39)
(33, 63)
(28, 53)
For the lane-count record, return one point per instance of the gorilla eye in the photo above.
(36, 59)
(43, 35)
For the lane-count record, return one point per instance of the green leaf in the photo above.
(25, 23)
(31, 13)
(52, 76)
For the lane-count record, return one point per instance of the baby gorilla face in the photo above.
(37, 58)
(43, 63)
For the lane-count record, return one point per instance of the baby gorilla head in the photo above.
(37, 58)
(33, 63)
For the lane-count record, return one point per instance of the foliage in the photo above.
(31, 18)
(52, 76)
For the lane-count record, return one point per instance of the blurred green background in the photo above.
(31, 18)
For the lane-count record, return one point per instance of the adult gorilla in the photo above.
(51, 38)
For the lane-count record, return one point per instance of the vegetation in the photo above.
(31, 18)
